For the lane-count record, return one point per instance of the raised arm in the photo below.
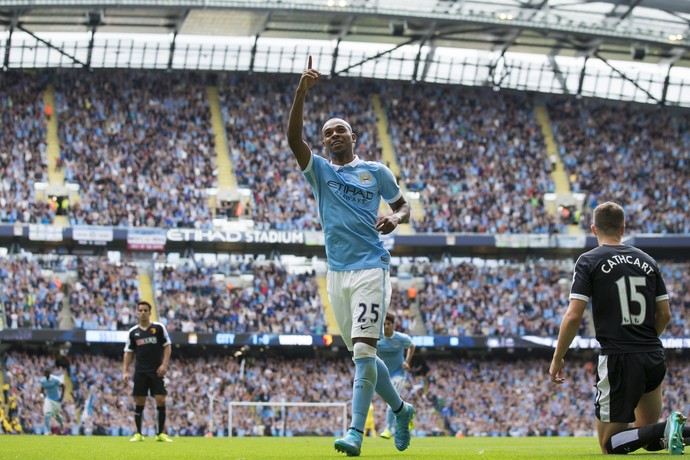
(299, 148)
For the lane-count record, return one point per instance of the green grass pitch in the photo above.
(105, 448)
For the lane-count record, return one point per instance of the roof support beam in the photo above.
(628, 11)
(171, 53)
(264, 24)
(251, 60)
(334, 59)
(558, 74)
(626, 78)
(8, 47)
(427, 62)
(492, 70)
(582, 77)
(173, 43)
(376, 56)
(90, 51)
(343, 32)
(51, 46)
(424, 39)
(664, 92)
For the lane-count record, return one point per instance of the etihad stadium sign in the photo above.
(216, 236)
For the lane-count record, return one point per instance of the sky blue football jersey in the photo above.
(52, 387)
(348, 198)
(392, 351)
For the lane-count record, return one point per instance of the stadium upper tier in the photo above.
(138, 149)
(634, 155)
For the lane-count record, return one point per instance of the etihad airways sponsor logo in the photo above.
(270, 236)
(351, 193)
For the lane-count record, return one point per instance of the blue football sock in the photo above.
(362, 391)
(384, 386)
(390, 418)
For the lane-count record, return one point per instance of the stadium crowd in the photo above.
(30, 296)
(447, 297)
(494, 300)
(477, 158)
(453, 396)
(23, 158)
(139, 146)
(198, 297)
(636, 156)
(104, 294)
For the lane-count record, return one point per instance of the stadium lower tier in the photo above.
(471, 395)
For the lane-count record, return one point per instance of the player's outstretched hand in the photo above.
(309, 77)
(125, 378)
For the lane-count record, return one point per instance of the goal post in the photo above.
(282, 405)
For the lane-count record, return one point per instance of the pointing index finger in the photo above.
(309, 62)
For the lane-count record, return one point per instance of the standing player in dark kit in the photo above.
(631, 310)
(151, 344)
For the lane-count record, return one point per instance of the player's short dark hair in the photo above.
(609, 218)
(390, 317)
(143, 302)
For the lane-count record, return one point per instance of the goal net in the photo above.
(278, 418)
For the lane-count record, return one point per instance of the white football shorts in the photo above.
(359, 299)
(51, 407)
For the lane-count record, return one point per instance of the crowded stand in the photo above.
(636, 156)
(31, 297)
(23, 158)
(454, 396)
(103, 294)
(195, 296)
(139, 146)
(456, 298)
(520, 298)
(506, 298)
(476, 157)
(677, 278)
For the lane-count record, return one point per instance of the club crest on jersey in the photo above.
(365, 178)
(153, 331)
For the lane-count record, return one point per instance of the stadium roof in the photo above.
(650, 30)
(575, 40)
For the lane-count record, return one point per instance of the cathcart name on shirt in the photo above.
(269, 236)
(351, 193)
(626, 259)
